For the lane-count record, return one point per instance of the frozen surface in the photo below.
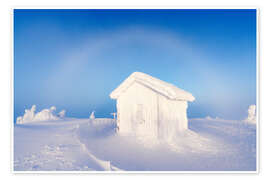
(84, 145)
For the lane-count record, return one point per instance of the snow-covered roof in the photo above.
(164, 88)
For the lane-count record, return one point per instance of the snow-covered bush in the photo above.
(251, 114)
(43, 115)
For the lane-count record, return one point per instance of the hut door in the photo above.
(140, 120)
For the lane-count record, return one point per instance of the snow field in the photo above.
(83, 145)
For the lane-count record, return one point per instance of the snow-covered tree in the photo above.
(19, 120)
(44, 115)
(53, 109)
(62, 113)
(251, 114)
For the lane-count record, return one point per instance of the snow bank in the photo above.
(44, 115)
(251, 114)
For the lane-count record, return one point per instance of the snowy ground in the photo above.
(75, 145)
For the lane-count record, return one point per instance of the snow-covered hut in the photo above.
(147, 106)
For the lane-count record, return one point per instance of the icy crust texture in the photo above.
(164, 88)
(44, 115)
(251, 114)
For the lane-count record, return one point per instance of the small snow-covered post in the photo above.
(114, 115)
(92, 117)
(115, 118)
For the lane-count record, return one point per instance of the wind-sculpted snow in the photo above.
(54, 146)
(85, 145)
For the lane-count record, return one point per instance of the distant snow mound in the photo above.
(43, 115)
(212, 118)
(100, 127)
(208, 118)
(251, 114)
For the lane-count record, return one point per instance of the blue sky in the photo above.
(73, 59)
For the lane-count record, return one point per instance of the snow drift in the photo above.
(44, 115)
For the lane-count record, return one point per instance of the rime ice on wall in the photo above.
(251, 114)
(137, 112)
(44, 115)
(172, 117)
(147, 106)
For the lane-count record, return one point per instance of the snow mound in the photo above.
(44, 115)
(101, 127)
(167, 89)
(251, 114)
(208, 118)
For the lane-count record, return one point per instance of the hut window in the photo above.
(139, 114)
